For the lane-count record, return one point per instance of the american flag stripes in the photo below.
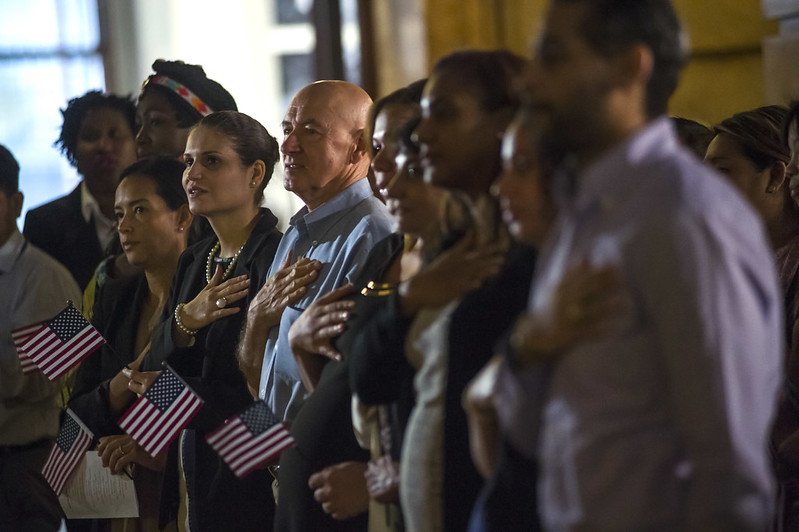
(58, 344)
(161, 413)
(250, 439)
(73, 440)
(19, 336)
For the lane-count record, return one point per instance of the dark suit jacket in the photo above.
(218, 500)
(58, 228)
(117, 309)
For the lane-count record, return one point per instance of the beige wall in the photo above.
(724, 76)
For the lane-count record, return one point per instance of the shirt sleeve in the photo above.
(717, 327)
(42, 293)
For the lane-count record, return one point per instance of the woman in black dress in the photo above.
(229, 159)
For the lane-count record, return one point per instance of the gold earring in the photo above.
(771, 189)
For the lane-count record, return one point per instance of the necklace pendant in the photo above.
(214, 250)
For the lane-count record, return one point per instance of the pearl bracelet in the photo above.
(179, 322)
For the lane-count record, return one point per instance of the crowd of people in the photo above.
(519, 296)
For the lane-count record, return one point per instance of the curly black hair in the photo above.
(78, 108)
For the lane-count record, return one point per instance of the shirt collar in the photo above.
(89, 208)
(10, 251)
(88, 205)
(314, 221)
(605, 177)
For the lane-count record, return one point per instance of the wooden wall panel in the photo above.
(724, 76)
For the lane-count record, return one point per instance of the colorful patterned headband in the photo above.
(182, 91)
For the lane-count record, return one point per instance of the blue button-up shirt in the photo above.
(339, 233)
(662, 424)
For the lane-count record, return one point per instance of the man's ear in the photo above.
(635, 64)
(360, 148)
(17, 198)
(777, 176)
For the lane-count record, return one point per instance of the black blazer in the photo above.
(117, 309)
(476, 327)
(58, 228)
(218, 500)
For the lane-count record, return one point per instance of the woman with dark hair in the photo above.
(467, 104)
(97, 137)
(751, 150)
(153, 217)
(229, 158)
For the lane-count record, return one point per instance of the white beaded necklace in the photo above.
(210, 261)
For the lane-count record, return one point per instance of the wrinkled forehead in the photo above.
(305, 110)
(327, 108)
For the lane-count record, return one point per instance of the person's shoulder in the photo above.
(703, 192)
(686, 199)
(51, 212)
(119, 287)
(66, 202)
(372, 225)
(266, 229)
(373, 212)
(43, 263)
(674, 180)
(40, 268)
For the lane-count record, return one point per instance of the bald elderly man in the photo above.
(325, 160)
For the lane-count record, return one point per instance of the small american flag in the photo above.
(250, 439)
(58, 344)
(20, 336)
(73, 440)
(161, 413)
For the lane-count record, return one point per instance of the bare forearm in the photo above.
(250, 354)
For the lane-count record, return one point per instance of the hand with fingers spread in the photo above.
(282, 289)
(285, 287)
(341, 489)
(139, 381)
(588, 303)
(212, 303)
(311, 334)
(461, 269)
(119, 451)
